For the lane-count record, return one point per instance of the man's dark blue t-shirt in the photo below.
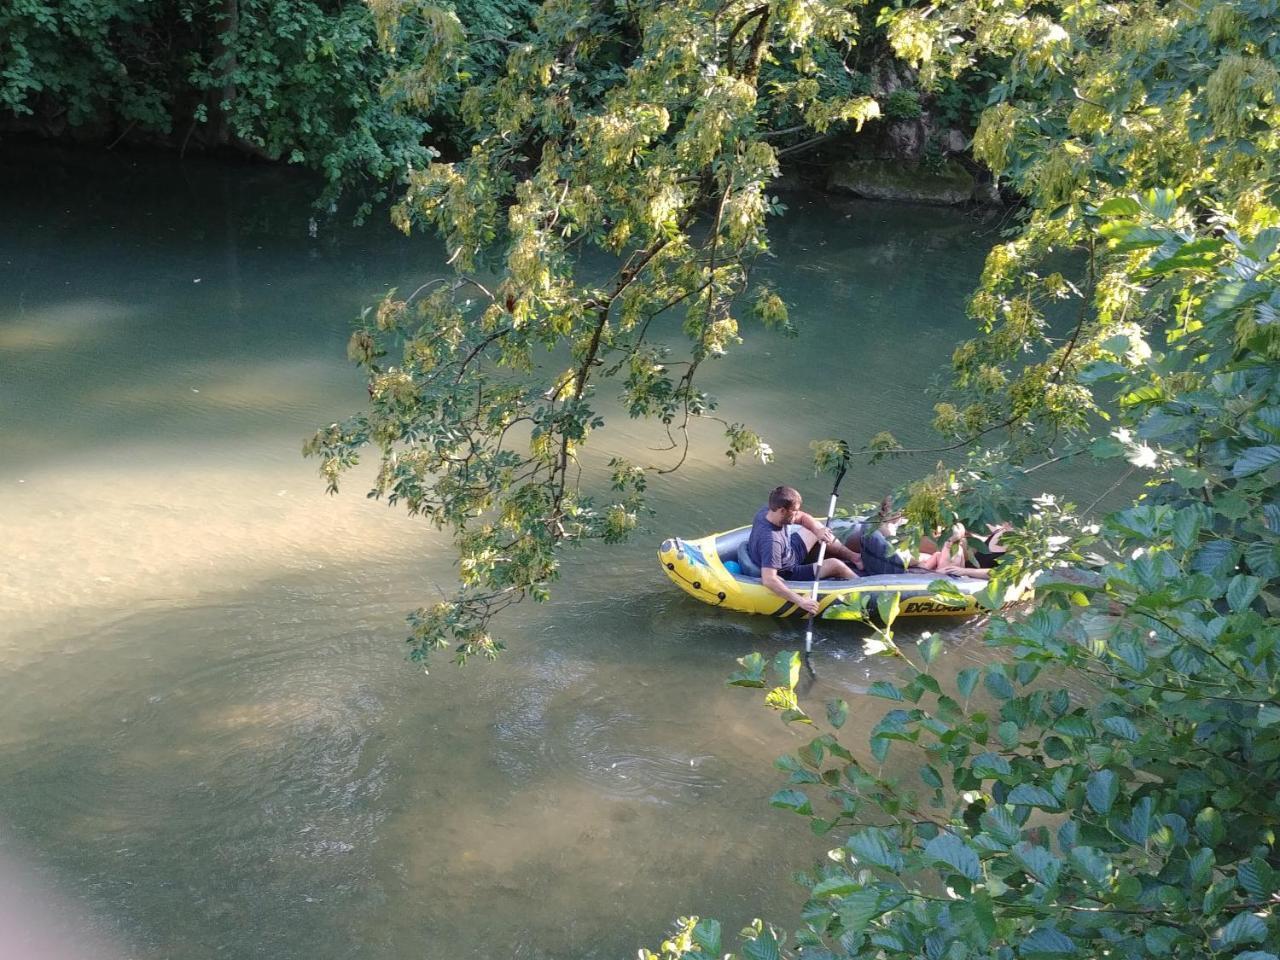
(772, 546)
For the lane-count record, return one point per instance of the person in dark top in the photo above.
(784, 555)
(870, 539)
(993, 553)
(986, 559)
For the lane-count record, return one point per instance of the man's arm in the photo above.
(975, 573)
(769, 577)
(813, 526)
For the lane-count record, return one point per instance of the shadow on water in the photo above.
(185, 295)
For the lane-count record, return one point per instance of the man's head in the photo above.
(784, 501)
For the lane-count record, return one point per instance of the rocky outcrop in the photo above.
(908, 154)
(945, 182)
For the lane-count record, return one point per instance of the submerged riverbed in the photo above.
(210, 742)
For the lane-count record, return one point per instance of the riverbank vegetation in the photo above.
(299, 83)
(304, 83)
(1109, 786)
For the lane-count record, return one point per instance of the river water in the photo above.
(210, 742)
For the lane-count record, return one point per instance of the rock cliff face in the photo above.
(944, 182)
(912, 158)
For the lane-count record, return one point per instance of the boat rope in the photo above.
(697, 585)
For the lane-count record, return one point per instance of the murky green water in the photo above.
(210, 745)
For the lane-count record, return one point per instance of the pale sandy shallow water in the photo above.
(210, 743)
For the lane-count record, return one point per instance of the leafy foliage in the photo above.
(902, 105)
(82, 56)
(617, 128)
(299, 82)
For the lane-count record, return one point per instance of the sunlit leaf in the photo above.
(949, 849)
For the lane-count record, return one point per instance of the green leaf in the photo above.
(706, 934)
(1242, 591)
(859, 909)
(837, 713)
(1121, 727)
(1256, 459)
(1093, 863)
(1219, 892)
(1160, 202)
(1138, 827)
(793, 800)
(986, 765)
(1200, 867)
(1042, 864)
(890, 613)
(840, 886)
(1101, 790)
(1106, 448)
(880, 748)
(1271, 516)
(1008, 734)
(1231, 295)
(1046, 942)
(930, 649)
(1215, 558)
(752, 672)
(1125, 236)
(875, 847)
(1209, 826)
(1199, 253)
(1118, 207)
(786, 665)
(1074, 725)
(882, 688)
(997, 683)
(1028, 795)
(1160, 940)
(1263, 559)
(1244, 927)
(1001, 825)
(811, 753)
(1186, 527)
(764, 946)
(967, 680)
(949, 849)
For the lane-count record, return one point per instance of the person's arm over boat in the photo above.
(769, 577)
(807, 521)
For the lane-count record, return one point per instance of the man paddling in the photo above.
(784, 556)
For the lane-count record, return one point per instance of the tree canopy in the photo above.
(638, 131)
(298, 82)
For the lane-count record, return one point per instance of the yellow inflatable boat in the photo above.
(708, 568)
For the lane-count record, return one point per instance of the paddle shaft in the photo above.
(822, 555)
